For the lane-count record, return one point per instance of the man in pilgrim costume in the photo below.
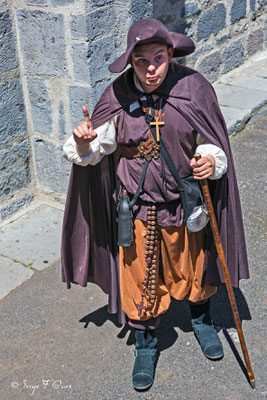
(179, 105)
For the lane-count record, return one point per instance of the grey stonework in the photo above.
(93, 24)
(43, 45)
(211, 21)
(14, 206)
(232, 56)
(8, 58)
(61, 121)
(14, 168)
(61, 2)
(41, 109)
(255, 41)
(36, 2)
(54, 57)
(79, 96)
(12, 111)
(238, 10)
(210, 66)
(52, 169)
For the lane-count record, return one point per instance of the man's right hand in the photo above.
(84, 133)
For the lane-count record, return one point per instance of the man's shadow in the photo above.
(178, 316)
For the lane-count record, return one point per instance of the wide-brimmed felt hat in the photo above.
(151, 30)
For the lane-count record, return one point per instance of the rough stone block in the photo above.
(200, 50)
(96, 93)
(211, 21)
(190, 9)
(8, 58)
(100, 54)
(139, 9)
(14, 169)
(223, 38)
(232, 56)
(255, 41)
(43, 44)
(41, 110)
(14, 206)
(91, 25)
(12, 111)
(252, 5)
(238, 10)
(81, 67)
(100, 2)
(36, 2)
(209, 66)
(61, 2)
(61, 121)
(52, 170)
(78, 97)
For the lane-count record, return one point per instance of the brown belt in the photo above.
(146, 149)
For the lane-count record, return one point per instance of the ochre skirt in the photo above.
(180, 261)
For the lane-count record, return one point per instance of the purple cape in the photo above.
(89, 250)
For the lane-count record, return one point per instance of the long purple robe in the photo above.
(89, 250)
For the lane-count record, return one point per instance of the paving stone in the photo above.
(254, 82)
(232, 56)
(238, 10)
(43, 45)
(52, 170)
(8, 57)
(33, 239)
(235, 118)
(41, 109)
(13, 274)
(211, 21)
(14, 206)
(12, 111)
(262, 72)
(233, 96)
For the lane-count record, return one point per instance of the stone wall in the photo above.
(226, 32)
(53, 59)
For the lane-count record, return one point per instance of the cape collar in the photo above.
(175, 85)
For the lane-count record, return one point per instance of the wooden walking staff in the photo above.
(218, 244)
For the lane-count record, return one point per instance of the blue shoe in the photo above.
(205, 332)
(145, 360)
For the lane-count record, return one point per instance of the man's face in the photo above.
(151, 63)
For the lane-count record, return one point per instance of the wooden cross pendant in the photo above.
(157, 123)
(140, 308)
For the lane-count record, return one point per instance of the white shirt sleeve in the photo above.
(205, 149)
(105, 143)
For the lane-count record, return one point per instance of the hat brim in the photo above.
(182, 46)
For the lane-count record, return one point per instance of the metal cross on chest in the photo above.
(157, 123)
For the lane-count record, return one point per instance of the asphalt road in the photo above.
(62, 344)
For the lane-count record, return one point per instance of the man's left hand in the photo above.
(203, 168)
